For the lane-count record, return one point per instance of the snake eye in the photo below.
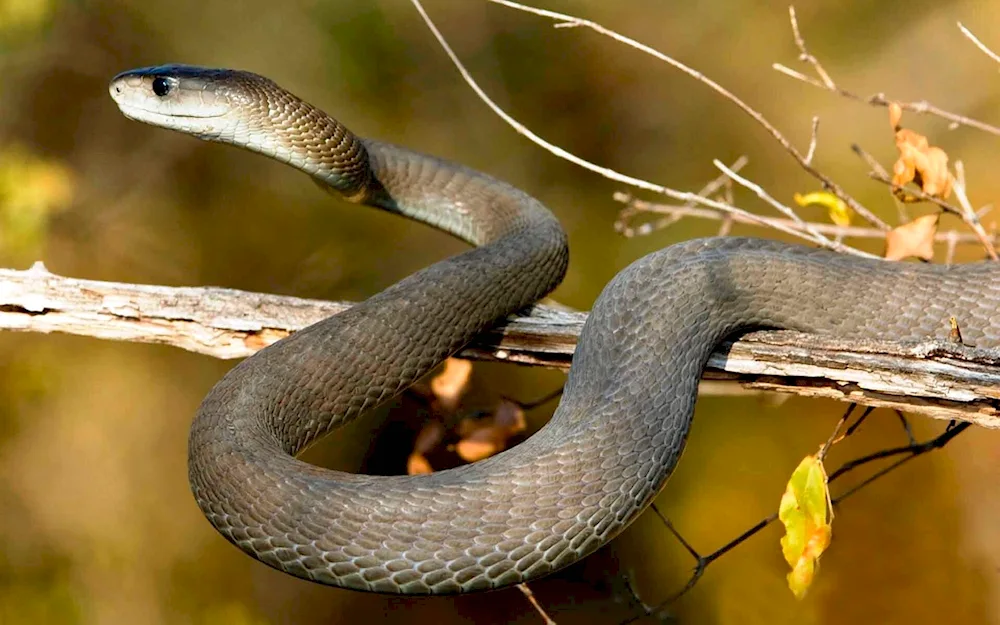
(161, 86)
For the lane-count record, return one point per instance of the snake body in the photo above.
(628, 402)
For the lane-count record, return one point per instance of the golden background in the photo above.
(96, 521)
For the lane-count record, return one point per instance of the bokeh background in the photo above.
(96, 521)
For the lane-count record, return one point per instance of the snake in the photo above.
(626, 410)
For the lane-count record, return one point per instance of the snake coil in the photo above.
(626, 410)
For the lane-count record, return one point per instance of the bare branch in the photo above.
(827, 83)
(932, 378)
(683, 196)
(909, 452)
(530, 596)
(804, 54)
(675, 213)
(783, 209)
(608, 173)
(813, 140)
(571, 21)
(923, 107)
(979, 44)
(970, 217)
(720, 182)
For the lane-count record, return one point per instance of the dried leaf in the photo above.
(895, 115)
(482, 438)
(955, 332)
(922, 164)
(418, 464)
(805, 513)
(472, 450)
(914, 239)
(429, 437)
(839, 211)
(449, 385)
(510, 416)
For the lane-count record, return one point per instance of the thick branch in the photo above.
(932, 378)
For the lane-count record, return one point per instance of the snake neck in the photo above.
(349, 363)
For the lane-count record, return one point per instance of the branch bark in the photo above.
(933, 378)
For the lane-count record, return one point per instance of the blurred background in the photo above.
(97, 524)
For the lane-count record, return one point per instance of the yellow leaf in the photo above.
(805, 513)
(840, 213)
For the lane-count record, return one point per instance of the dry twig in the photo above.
(722, 182)
(903, 454)
(793, 221)
(636, 206)
(629, 180)
(965, 211)
(827, 83)
(979, 44)
(569, 21)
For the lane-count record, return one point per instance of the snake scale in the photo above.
(621, 425)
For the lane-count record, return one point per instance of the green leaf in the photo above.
(805, 513)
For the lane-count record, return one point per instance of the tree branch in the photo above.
(934, 378)
(879, 99)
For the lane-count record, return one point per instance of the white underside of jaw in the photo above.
(196, 124)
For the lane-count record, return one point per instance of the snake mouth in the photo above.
(159, 118)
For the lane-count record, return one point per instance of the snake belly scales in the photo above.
(627, 406)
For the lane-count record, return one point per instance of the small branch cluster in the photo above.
(920, 174)
(716, 199)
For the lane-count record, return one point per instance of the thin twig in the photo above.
(979, 44)
(785, 210)
(912, 449)
(611, 174)
(969, 218)
(835, 434)
(813, 140)
(854, 426)
(721, 181)
(827, 182)
(923, 107)
(909, 452)
(526, 591)
(827, 84)
(804, 54)
(910, 438)
(969, 214)
(951, 237)
(870, 160)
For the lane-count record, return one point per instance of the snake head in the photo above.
(224, 105)
(249, 111)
